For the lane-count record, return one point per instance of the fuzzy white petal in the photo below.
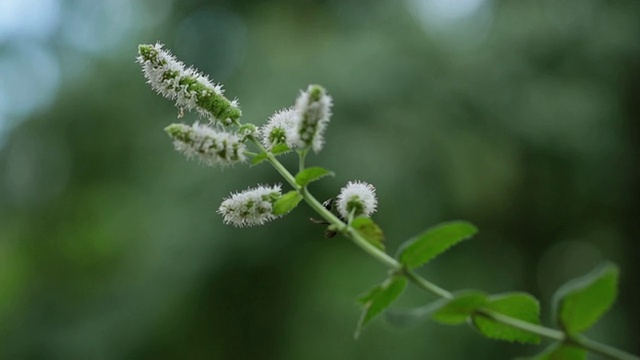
(277, 128)
(357, 196)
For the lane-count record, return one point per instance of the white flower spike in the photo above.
(359, 197)
(250, 207)
(312, 113)
(187, 86)
(277, 127)
(212, 147)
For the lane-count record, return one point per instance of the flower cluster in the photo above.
(299, 127)
(302, 126)
(277, 127)
(250, 207)
(311, 116)
(212, 147)
(357, 197)
(187, 86)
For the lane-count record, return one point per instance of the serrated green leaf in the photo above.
(581, 302)
(379, 298)
(258, 159)
(369, 230)
(560, 352)
(457, 310)
(286, 202)
(280, 149)
(311, 174)
(521, 306)
(424, 247)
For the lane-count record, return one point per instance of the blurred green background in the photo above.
(519, 116)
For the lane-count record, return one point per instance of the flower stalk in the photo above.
(302, 128)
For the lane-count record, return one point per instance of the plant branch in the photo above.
(428, 286)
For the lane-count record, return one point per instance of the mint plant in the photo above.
(223, 140)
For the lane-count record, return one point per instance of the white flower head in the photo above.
(358, 197)
(311, 116)
(190, 89)
(250, 207)
(211, 146)
(277, 127)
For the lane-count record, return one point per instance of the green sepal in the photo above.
(457, 310)
(434, 241)
(369, 230)
(579, 303)
(287, 202)
(517, 305)
(379, 298)
(311, 174)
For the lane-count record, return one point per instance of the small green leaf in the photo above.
(560, 351)
(258, 159)
(279, 149)
(517, 305)
(286, 202)
(311, 174)
(369, 230)
(379, 298)
(424, 247)
(581, 302)
(457, 310)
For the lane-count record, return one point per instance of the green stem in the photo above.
(302, 154)
(426, 285)
(523, 325)
(276, 164)
(599, 348)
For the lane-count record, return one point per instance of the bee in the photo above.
(329, 231)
